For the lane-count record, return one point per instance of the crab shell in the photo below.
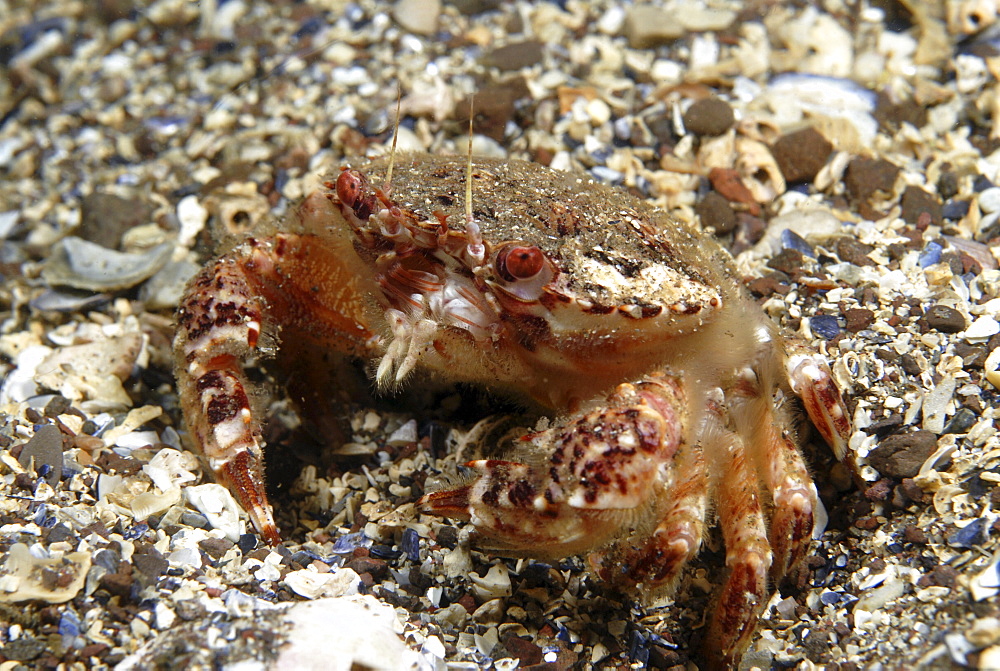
(620, 287)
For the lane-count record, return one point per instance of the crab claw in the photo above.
(602, 468)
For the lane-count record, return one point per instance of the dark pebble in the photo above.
(473, 7)
(56, 406)
(940, 576)
(515, 56)
(714, 211)
(909, 365)
(111, 462)
(853, 251)
(981, 183)
(825, 326)
(378, 568)
(800, 155)
(891, 115)
(247, 543)
(947, 184)
(944, 319)
(523, 650)
(709, 117)
(385, 552)
(902, 455)
(44, 449)
(215, 547)
(494, 106)
(770, 284)
(104, 218)
(59, 532)
(914, 534)
(788, 261)
(107, 559)
(858, 319)
(447, 537)
(880, 491)
(149, 564)
(886, 425)
(915, 201)
(961, 422)
(865, 176)
(117, 584)
(953, 210)
(23, 649)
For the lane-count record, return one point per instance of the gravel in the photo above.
(862, 159)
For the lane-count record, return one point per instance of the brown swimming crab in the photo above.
(666, 387)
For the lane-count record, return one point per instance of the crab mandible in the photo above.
(666, 383)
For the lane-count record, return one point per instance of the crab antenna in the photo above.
(395, 136)
(468, 170)
(475, 248)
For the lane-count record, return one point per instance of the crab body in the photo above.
(664, 383)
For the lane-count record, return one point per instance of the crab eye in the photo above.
(349, 187)
(519, 262)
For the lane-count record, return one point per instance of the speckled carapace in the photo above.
(665, 385)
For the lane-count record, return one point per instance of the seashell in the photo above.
(992, 368)
(759, 170)
(218, 506)
(26, 577)
(968, 17)
(80, 264)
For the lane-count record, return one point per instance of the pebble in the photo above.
(709, 117)
(865, 176)
(858, 319)
(915, 202)
(105, 217)
(44, 449)
(944, 319)
(852, 250)
(801, 155)
(901, 455)
(514, 56)
(647, 26)
(715, 211)
(989, 200)
(417, 16)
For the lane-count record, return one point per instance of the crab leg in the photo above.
(810, 378)
(602, 467)
(220, 323)
(748, 556)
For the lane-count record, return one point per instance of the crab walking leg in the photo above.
(602, 467)
(785, 475)
(657, 559)
(219, 326)
(810, 378)
(748, 555)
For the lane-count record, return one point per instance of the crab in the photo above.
(664, 389)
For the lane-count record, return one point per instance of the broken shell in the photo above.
(93, 370)
(992, 368)
(83, 265)
(53, 580)
(759, 170)
(967, 17)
